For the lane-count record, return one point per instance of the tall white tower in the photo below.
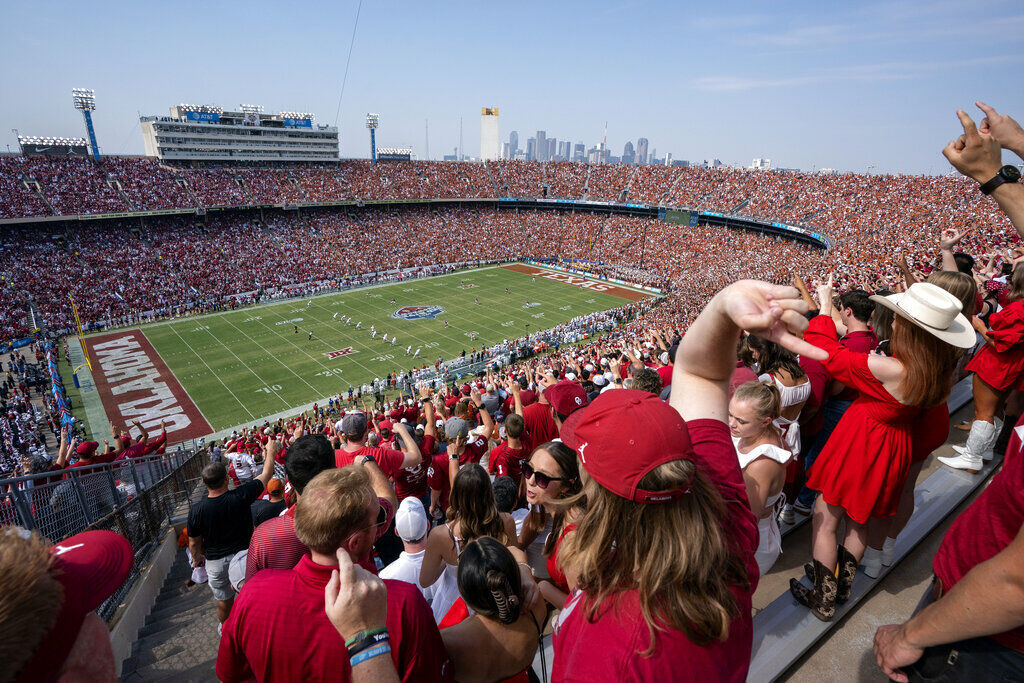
(490, 148)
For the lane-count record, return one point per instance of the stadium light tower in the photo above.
(85, 102)
(372, 121)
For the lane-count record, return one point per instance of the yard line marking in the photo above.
(274, 356)
(171, 327)
(245, 365)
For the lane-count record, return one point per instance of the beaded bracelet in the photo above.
(364, 634)
(381, 649)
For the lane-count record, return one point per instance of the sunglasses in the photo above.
(382, 518)
(542, 480)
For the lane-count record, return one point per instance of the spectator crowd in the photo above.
(622, 495)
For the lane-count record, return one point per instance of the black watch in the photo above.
(1007, 174)
(366, 459)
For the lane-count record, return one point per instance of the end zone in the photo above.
(134, 383)
(580, 281)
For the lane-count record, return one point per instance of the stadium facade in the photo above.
(209, 133)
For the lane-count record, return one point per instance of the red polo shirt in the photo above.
(508, 462)
(985, 528)
(278, 631)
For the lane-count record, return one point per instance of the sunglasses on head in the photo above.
(542, 480)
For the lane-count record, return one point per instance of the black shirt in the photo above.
(262, 510)
(225, 522)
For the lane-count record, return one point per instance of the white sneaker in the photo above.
(888, 552)
(871, 563)
(786, 515)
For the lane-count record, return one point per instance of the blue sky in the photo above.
(808, 84)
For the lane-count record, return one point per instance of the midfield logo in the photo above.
(342, 352)
(417, 312)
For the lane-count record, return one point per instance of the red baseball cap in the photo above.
(86, 449)
(566, 397)
(466, 390)
(623, 435)
(90, 566)
(387, 424)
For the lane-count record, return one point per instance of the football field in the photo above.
(207, 373)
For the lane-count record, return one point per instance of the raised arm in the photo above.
(485, 415)
(948, 240)
(707, 354)
(412, 453)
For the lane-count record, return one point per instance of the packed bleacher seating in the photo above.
(468, 498)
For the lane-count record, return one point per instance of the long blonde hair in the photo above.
(676, 555)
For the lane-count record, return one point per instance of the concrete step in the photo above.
(199, 639)
(172, 607)
(177, 620)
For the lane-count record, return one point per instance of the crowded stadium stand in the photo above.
(136, 239)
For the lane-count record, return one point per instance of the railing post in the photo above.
(22, 507)
(76, 484)
(117, 497)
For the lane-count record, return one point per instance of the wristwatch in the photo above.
(453, 456)
(366, 459)
(1007, 174)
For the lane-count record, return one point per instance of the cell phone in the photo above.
(883, 347)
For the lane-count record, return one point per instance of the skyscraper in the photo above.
(542, 146)
(641, 150)
(552, 146)
(489, 146)
(565, 150)
(628, 155)
(579, 152)
(513, 142)
(531, 149)
(506, 153)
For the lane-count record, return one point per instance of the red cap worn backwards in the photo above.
(90, 566)
(623, 435)
(566, 397)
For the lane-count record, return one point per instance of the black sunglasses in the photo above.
(542, 480)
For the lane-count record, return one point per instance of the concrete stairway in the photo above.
(179, 640)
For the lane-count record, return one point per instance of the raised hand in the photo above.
(951, 238)
(773, 312)
(1002, 127)
(977, 155)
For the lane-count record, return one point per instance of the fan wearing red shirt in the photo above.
(413, 481)
(391, 462)
(658, 475)
(278, 629)
(507, 458)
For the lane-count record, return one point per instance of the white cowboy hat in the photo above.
(934, 310)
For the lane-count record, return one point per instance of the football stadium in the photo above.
(285, 396)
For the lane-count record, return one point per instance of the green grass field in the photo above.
(245, 365)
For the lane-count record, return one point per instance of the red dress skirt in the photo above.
(864, 464)
(1001, 363)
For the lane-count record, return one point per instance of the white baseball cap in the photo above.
(411, 520)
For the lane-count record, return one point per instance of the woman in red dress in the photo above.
(862, 468)
(998, 369)
(930, 431)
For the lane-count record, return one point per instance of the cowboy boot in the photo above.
(989, 452)
(845, 575)
(981, 439)
(822, 598)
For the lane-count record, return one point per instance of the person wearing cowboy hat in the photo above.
(861, 470)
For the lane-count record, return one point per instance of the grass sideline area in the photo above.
(244, 365)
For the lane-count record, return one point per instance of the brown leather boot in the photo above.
(822, 599)
(847, 572)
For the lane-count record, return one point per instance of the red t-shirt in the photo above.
(508, 462)
(665, 372)
(437, 477)
(539, 423)
(389, 460)
(859, 342)
(290, 603)
(819, 378)
(985, 528)
(412, 481)
(474, 451)
(611, 646)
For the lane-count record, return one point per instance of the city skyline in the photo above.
(864, 87)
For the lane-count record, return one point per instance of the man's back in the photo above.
(274, 545)
(286, 608)
(224, 522)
